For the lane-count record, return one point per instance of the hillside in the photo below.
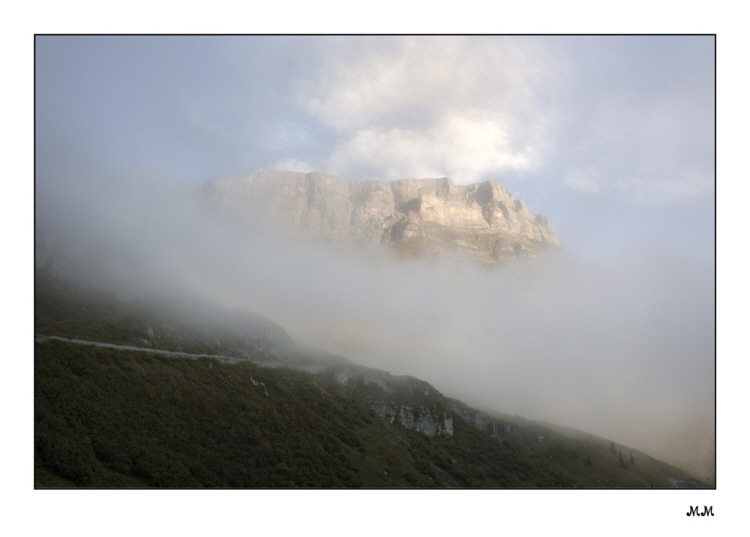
(252, 409)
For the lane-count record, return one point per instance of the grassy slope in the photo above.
(111, 418)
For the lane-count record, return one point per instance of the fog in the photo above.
(621, 346)
(610, 137)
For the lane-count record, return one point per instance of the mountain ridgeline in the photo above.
(414, 217)
(134, 395)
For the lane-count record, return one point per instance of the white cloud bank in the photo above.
(431, 106)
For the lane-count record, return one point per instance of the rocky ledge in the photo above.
(415, 217)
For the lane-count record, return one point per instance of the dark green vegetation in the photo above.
(115, 418)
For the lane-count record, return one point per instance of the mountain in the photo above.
(143, 381)
(414, 217)
(140, 394)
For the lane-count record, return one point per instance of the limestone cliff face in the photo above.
(416, 217)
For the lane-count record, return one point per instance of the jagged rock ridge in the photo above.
(416, 217)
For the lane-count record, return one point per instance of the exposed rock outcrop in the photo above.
(420, 419)
(416, 217)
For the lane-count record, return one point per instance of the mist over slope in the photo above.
(622, 348)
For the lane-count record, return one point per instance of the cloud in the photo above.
(457, 106)
(626, 118)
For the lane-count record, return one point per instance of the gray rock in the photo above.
(414, 217)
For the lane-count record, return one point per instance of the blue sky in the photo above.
(612, 138)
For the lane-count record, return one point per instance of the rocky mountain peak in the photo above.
(414, 217)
